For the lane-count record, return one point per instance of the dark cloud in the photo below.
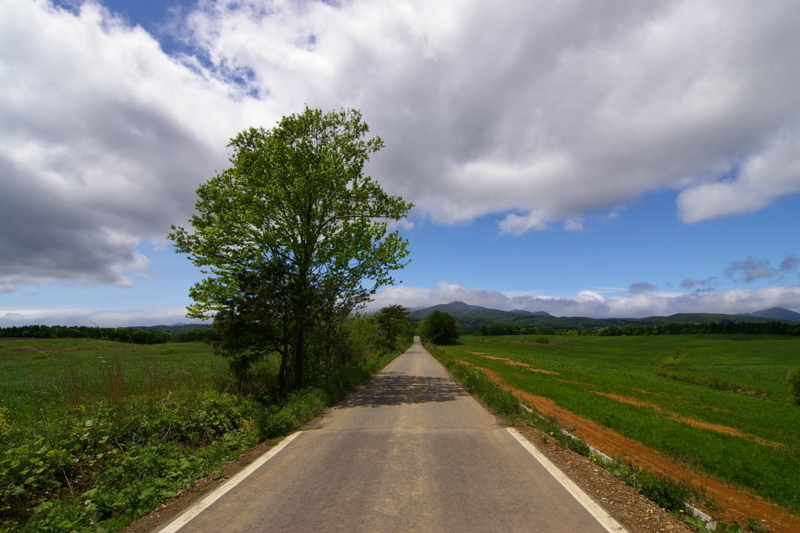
(690, 283)
(749, 270)
(789, 263)
(642, 287)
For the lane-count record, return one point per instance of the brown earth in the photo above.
(738, 504)
(511, 362)
(701, 424)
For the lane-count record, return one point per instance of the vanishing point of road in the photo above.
(410, 450)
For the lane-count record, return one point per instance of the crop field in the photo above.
(664, 391)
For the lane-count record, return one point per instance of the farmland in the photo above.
(748, 435)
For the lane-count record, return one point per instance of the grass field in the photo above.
(43, 376)
(94, 434)
(614, 381)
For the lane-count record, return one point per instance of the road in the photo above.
(409, 451)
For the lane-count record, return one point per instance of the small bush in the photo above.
(667, 493)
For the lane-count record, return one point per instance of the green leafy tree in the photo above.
(393, 323)
(440, 328)
(293, 238)
(794, 384)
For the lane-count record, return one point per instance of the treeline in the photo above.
(739, 328)
(137, 336)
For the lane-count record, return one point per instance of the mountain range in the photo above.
(474, 316)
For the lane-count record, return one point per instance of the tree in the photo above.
(293, 238)
(393, 322)
(440, 328)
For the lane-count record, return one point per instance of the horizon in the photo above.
(412, 310)
(605, 163)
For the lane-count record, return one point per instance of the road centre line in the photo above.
(200, 506)
(598, 512)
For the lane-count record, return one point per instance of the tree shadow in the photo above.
(390, 388)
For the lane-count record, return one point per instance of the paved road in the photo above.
(410, 451)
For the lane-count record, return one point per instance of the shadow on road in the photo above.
(395, 389)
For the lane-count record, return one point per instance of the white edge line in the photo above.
(594, 509)
(201, 506)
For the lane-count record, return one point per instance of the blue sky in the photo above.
(633, 160)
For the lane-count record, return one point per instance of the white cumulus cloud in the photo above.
(540, 111)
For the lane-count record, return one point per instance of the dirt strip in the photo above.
(515, 363)
(739, 504)
(701, 424)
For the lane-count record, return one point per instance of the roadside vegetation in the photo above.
(294, 240)
(748, 436)
(94, 434)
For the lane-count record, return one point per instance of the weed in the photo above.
(755, 526)
(700, 527)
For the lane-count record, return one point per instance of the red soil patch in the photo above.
(738, 503)
(511, 362)
(701, 424)
(504, 360)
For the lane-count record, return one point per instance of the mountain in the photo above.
(474, 316)
(777, 313)
(174, 329)
(534, 313)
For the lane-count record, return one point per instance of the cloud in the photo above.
(641, 288)
(690, 283)
(789, 263)
(749, 270)
(598, 303)
(22, 316)
(542, 112)
(103, 140)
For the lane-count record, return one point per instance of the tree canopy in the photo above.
(293, 238)
(440, 328)
(393, 323)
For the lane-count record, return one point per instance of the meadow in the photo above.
(665, 391)
(94, 434)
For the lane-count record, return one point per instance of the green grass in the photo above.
(45, 374)
(628, 366)
(94, 434)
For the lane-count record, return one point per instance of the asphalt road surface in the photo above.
(409, 451)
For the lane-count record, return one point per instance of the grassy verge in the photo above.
(92, 436)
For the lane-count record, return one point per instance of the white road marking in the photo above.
(598, 512)
(200, 506)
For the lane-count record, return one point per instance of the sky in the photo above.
(614, 159)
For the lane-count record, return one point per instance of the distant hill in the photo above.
(776, 313)
(474, 316)
(174, 329)
(534, 313)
